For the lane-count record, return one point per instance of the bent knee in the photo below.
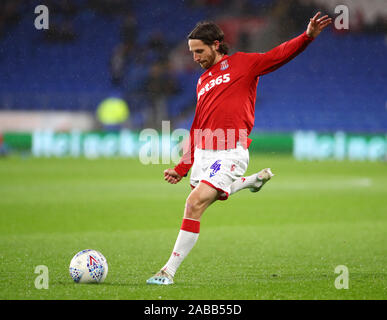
(193, 209)
(195, 206)
(198, 201)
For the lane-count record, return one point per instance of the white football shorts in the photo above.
(219, 168)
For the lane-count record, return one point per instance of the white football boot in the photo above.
(161, 278)
(263, 176)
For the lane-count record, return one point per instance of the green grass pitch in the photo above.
(283, 242)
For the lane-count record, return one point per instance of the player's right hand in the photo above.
(171, 176)
(316, 25)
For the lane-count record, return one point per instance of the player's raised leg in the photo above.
(254, 182)
(197, 202)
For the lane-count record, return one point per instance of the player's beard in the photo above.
(209, 62)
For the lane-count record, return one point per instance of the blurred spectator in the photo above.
(119, 63)
(380, 26)
(158, 46)
(298, 12)
(9, 14)
(122, 51)
(63, 31)
(113, 113)
(182, 59)
(225, 7)
(110, 7)
(62, 14)
(3, 147)
(276, 29)
(158, 87)
(244, 41)
(129, 29)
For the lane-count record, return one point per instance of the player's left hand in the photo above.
(316, 25)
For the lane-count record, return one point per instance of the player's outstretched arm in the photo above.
(277, 57)
(316, 25)
(171, 176)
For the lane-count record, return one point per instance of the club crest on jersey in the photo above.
(215, 168)
(224, 65)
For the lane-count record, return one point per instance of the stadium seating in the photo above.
(338, 83)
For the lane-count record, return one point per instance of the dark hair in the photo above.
(209, 32)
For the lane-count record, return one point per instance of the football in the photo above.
(88, 266)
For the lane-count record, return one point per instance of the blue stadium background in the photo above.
(338, 83)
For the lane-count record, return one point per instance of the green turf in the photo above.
(281, 243)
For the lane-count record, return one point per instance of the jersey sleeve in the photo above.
(187, 158)
(263, 63)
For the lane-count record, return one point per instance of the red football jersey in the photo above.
(226, 94)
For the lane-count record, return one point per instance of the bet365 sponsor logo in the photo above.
(214, 82)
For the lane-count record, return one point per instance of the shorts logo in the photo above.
(215, 168)
(232, 167)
